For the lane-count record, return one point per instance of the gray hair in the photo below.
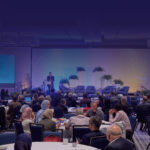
(79, 111)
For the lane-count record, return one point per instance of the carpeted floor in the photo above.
(141, 139)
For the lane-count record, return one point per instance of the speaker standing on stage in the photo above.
(50, 79)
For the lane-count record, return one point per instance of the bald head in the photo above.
(113, 132)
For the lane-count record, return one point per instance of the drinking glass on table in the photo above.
(65, 141)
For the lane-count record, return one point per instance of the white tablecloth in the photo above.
(54, 146)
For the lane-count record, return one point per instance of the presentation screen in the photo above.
(7, 69)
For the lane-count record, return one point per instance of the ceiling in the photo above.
(77, 20)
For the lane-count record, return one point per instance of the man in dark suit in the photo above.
(114, 134)
(94, 125)
(50, 79)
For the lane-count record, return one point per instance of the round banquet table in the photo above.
(54, 145)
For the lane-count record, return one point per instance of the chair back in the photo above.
(58, 133)
(148, 124)
(18, 127)
(7, 137)
(2, 118)
(133, 122)
(67, 116)
(79, 131)
(99, 142)
(52, 138)
(36, 132)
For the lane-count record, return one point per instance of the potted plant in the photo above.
(64, 82)
(97, 77)
(106, 80)
(73, 79)
(81, 75)
(118, 83)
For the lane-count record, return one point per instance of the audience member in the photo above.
(47, 120)
(88, 106)
(23, 142)
(61, 109)
(120, 115)
(13, 110)
(57, 98)
(124, 105)
(2, 94)
(143, 110)
(36, 103)
(21, 99)
(94, 125)
(95, 111)
(114, 134)
(27, 118)
(85, 99)
(71, 101)
(79, 119)
(45, 105)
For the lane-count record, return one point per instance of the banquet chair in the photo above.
(7, 137)
(79, 131)
(148, 125)
(133, 122)
(53, 136)
(18, 127)
(36, 132)
(2, 118)
(99, 142)
(67, 116)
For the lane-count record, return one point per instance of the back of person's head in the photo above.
(44, 104)
(79, 111)
(41, 97)
(124, 100)
(63, 101)
(27, 113)
(85, 95)
(23, 142)
(35, 97)
(20, 98)
(117, 107)
(15, 97)
(48, 98)
(95, 123)
(113, 132)
(23, 107)
(47, 114)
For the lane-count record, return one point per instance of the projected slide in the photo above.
(7, 69)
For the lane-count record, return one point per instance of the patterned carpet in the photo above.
(141, 139)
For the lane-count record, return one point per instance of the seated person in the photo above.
(35, 103)
(124, 105)
(94, 125)
(47, 121)
(120, 116)
(95, 111)
(71, 101)
(61, 109)
(88, 106)
(44, 105)
(79, 119)
(85, 99)
(13, 110)
(114, 134)
(23, 142)
(27, 117)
